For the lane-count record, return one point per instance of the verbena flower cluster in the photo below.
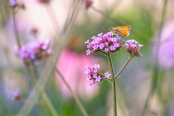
(133, 47)
(16, 95)
(106, 43)
(34, 51)
(92, 73)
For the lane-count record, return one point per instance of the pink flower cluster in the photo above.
(34, 51)
(133, 48)
(88, 3)
(106, 43)
(16, 95)
(93, 74)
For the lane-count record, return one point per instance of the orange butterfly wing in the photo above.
(122, 30)
(124, 33)
(127, 28)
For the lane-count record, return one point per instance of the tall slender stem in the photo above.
(53, 18)
(16, 29)
(121, 70)
(49, 105)
(43, 95)
(124, 66)
(26, 108)
(113, 84)
(73, 94)
(156, 66)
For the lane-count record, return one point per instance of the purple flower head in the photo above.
(16, 95)
(46, 44)
(97, 79)
(87, 41)
(34, 51)
(17, 3)
(97, 66)
(13, 3)
(95, 47)
(93, 74)
(112, 48)
(107, 49)
(101, 46)
(105, 42)
(107, 74)
(88, 51)
(133, 48)
(88, 77)
(91, 84)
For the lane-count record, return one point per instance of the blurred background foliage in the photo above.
(133, 85)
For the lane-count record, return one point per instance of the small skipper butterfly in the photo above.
(121, 30)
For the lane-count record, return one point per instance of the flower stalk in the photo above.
(109, 44)
(121, 70)
(73, 94)
(124, 66)
(44, 95)
(16, 29)
(113, 84)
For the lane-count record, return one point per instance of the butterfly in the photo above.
(121, 30)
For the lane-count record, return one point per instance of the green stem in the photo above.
(103, 52)
(121, 70)
(124, 66)
(73, 94)
(43, 95)
(49, 105)
(26, 108)
(54, 19)
(16, 30)
(113, 84)
(156, 66)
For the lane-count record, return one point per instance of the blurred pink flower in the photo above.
(166, 54)
(88, 3)
(13, 3)
(72, 65)
(34, 51)
(16, 95)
